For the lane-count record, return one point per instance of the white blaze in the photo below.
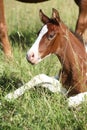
(35, 48)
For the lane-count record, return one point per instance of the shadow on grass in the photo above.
(8, 83)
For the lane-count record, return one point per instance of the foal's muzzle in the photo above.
(30, 59)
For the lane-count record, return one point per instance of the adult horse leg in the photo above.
(3, 32)
(81, 25)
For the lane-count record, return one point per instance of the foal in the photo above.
(55, 38)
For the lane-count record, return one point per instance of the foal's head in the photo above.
(45, 43)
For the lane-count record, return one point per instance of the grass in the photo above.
(37, 109)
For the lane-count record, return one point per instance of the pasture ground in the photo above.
(37, 109)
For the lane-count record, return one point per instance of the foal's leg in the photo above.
(40, 80)
(50, 83)
(77, 100)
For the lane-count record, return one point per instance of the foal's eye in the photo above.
(51, 36)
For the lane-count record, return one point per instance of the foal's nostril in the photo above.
(30, 57)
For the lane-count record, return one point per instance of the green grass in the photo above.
(37, 109)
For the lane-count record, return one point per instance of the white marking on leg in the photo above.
(40, 80)
(52, 84)
(77, 100)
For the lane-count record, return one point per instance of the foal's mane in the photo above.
(78, 37)
(53, 21)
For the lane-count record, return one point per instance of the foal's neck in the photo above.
(71, 49)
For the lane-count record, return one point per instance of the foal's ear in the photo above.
(55, 15)
(43, 17)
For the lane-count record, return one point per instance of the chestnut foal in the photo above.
(56, 38)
